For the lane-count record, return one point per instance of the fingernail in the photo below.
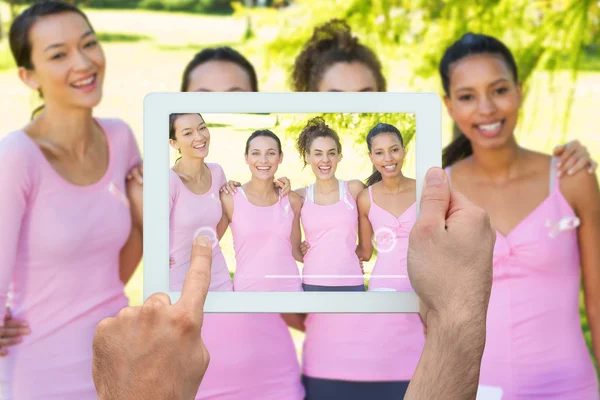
(141, 181)
(558, 164)
(435, 176)
(202, 241)
(571, 172)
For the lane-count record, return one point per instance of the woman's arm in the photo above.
(582, 192)
(364, 251)
(573, 157)
(131, 253)
(18, 179)
(296, 236)
(355, 187)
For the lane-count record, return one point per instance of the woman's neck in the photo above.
(262, 188)
(393, 185)
(192, 168)
(497, 164)
(326, 186)
(71, 129)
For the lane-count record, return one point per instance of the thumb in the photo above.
(435, 199)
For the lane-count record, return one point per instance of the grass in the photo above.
(147, 51)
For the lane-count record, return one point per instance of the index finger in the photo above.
(197, 279)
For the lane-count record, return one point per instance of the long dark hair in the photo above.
(20, 42)
(172, 132)
(265, 133)
(469, 44)
(315, 128)
(331, 43)
(379, 129)
(219, 54)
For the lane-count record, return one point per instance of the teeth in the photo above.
(263, 168)
(490, 127)
(84, 82)
(389, 167)
(201, 146)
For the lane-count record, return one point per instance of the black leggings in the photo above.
(331, 389)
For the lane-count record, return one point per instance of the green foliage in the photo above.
(357, 125)
(112, 37)
(198, 6)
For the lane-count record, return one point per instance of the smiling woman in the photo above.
(71, 223)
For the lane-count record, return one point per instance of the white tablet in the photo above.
(233, 119)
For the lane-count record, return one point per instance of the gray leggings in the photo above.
(331, 389)
(319, 288)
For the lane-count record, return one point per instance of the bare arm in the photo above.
(222, 226)
(365, 229)
(131, 253)
(355, 187)
(227, 205)
(296, 237)
(582, 192)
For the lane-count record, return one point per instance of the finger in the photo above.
(15, 324)
(558, 150)
(8, 314)
(568, 152)
(3, 352)
(579, 165)
(435, 199)
(197, 279)
(171, 262)
(137, 174)
(9, 332)
(10, 341)
(593, 166)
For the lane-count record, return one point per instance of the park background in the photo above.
(149, 42)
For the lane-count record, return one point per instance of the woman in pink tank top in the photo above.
(546, 229)
(329, 215)
(264, 224)
(71, 233)
(194, 185)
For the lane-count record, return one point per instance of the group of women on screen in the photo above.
(71, 222)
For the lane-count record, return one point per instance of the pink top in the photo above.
(263, 247)
(252, 356)
(192, 215)
(331, 231)
(535, 348)
(59, 247)
(369, 347)
(391, 234)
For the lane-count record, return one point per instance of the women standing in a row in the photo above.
(67, 243)
(546, 227)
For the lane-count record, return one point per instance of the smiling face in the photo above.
(219, 76)
(387, 154)
(263, 157)
(484, 100)
(68, 62)
(192, 137)
(348, 77)
(323, 157)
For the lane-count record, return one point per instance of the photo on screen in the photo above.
(293, 202)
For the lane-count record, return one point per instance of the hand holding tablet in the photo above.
(156, 351)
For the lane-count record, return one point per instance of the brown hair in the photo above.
(315, 128)
(330, 44)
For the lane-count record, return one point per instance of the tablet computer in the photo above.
(262, 282)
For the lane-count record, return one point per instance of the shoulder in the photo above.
(581, 190)
(364, 200)
(217, 170)
(301, 192)
(295, 200)
(17, 151)
(118, 130)
(355, 187)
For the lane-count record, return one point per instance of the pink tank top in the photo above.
(391, 235)
(192, 215)
(263, 248)
(252, 356)
(370, 347)
(331, 231)
(535, 348)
